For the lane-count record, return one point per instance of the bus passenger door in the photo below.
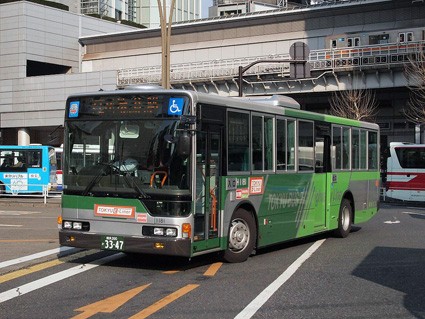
(322, 159)
(207, 190)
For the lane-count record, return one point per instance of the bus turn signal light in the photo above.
(186, 230)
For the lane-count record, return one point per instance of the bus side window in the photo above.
(238, 141)
(7, 161)
(34, 159)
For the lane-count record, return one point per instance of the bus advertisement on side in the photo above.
(183, 173)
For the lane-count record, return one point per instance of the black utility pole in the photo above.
(299, 68)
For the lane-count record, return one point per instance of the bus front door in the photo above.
(322, 159)
(206, 228)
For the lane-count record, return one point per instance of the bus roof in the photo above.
(405, 144)
(281, 105)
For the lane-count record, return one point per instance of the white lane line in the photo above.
(43, 282)
(19, 260)
(265, 295)
(7, 225)
(411, 213)
(16, 212)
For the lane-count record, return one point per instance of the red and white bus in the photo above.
(406, 172)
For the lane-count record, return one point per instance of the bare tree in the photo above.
(357, 104)
(415, 75)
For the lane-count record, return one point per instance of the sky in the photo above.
(205, 5)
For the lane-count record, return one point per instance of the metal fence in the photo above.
(387, 55)
(47, 192)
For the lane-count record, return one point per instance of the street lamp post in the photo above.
(165, 40)
(299, 68)
(243, 69)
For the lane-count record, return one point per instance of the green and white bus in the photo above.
(183, 173)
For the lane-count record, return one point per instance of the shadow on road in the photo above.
(402, 269)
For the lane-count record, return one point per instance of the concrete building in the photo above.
(234, 7)
(143, 12)
(147, 13)
(117, 9)
(347, 38)
(353, 45)
(40, 65)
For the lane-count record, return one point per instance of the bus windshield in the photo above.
(131, 158)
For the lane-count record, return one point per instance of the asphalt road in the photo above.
(377, 272)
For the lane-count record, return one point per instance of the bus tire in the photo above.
(2, 189)
(345, 219)
(241, 237)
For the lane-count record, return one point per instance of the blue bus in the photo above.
(27, 169)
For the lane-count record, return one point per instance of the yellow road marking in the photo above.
(212, 270)
(163, 302)
(30, 270)
(110, 304)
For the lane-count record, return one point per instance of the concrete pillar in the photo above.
(23, 136)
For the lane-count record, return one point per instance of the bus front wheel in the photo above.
(242, 237)
(345, 219)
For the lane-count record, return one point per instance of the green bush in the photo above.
(42, 2)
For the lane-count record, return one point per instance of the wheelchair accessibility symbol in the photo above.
(175, 106)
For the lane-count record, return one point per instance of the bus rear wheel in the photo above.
(345, 219)
(242, 236)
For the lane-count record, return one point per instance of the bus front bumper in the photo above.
(144, 245)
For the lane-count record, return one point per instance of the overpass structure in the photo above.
(362, 67)
(352, 44)
(356, 44)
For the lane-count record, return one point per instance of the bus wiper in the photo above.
(99, 176)
(132, 184)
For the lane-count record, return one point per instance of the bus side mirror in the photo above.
(183, 145)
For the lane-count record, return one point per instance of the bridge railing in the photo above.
(204, 70)
(368, 56)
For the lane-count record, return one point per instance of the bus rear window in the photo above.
(411, 157)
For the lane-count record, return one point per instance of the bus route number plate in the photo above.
(112, 242)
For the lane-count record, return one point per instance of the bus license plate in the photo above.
(112, 242)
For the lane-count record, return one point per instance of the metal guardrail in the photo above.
(372, 56)
(205, 70)
(22, 190)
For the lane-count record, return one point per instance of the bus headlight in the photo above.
(158, 231)
(77, 225)
(69, 224)
(171, 232)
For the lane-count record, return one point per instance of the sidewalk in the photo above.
(25, 201)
